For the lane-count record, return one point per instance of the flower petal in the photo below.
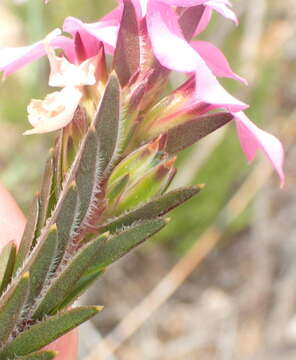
(105, 30)
(183, 3)
(175, 53)
(54, 112)
(215, 60)
(253, 138)
(68, 46)
(13, 59)
(64, 74)
(194, 20)
(222, 7)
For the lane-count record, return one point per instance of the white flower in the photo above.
(54, 112)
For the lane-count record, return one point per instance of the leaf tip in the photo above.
(200, 186)
(26, 275)
(53, 228)
(113, 77)
(73, 185)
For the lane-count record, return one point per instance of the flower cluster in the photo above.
(147, 39)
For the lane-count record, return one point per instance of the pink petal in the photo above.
(204, 21)
(183, 3)
(168, 43)
(13, 59)
(175, 53)
(222, 7)
(105, 30)
(215, 60)
(67, 44)
(252, 139)
(210, 91)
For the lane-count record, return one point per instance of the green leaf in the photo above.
(82, 284)
(189, 132)
(137, 163)
(41, 263)
(153, 209)
(117, 189)
(126, 60)
(11, 305)
(153, 183)
(7, 260)
(88, 172)
(65, 220)
(46, 192)
(68, 277)
(120, 244)
(40, 355)
(28, 238)
(46, 331)
(58, 163)
(107, 121)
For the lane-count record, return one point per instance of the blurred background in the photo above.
(220, 282)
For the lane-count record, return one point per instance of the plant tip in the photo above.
(99, 308)
(26, 275)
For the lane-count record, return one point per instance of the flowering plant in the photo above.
(105, 184)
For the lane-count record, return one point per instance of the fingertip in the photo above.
(12, 220)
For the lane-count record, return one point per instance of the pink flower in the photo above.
(57, 109)
(175, 53)
(63, 73)
(215, 60)
(252, 139)
(171, 24)
(13, 59)
(92, 34)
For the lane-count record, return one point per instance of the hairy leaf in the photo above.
(40, 268)
(46, 331)
(188, 133)
(153, 209)
(66, 219)
(7, 260)
(69, 276)
(120, 244)
(107, 121)
(81, 285)
(117, 188)
(46, 191)
(11, 306)
(29, 234)
(40, 355)
(88, 172)
(152, 184)
(126, 59)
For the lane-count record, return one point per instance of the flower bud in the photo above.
(153, 183)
